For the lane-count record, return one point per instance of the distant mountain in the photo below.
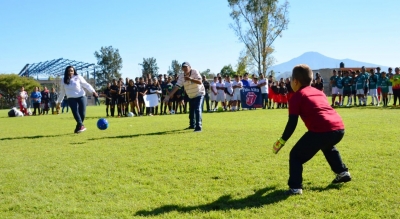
(317, 61)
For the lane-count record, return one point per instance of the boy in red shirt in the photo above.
(325, 130)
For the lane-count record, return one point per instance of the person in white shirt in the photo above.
(254, 81)
(220, 93)
(237, 86)
(191, 80)
(72, 86)
(214, 93)
(229, 92)
(22, 97)
(263, 85)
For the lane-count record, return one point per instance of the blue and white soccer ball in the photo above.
(102, 124)
(172, 112)
(130, 114)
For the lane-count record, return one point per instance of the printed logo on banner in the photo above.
(251, 97)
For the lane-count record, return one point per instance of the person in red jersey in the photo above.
(325, 130)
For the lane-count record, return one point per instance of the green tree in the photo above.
(110, 63)
(175, 68)
(271, 73)
(244, 63)
(227, 70)
(10, 85)
(206, 73)
(149, 67)
(257, 23)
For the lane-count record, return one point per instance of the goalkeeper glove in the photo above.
(278, 145)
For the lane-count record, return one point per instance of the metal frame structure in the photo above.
(56, 68)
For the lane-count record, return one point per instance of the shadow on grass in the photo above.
(74, 143)
(145, 134)
(328, 187)
(33, 137)
(224, 203)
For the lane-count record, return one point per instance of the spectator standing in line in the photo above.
(263, 84)
(229, 92)
(372, 85)
(141, 93)
(220, 93)
(207, 95)
(36, 98)
(335, 90)
(395, 79)
(132, 93)
(107, 96)
(237, 86)
(390, 93)
(214, 93)
(22, 98)
(64, 104)
(96, 101)
(45, 100)
(163, 85)
(318, 85)
(384, 85)
(53, 100)
(114, 89)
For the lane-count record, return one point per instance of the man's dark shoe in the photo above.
(342, 177)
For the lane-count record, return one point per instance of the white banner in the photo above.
(151, 100)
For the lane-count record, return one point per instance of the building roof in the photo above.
(55, 67)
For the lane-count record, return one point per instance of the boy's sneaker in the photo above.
(190, 127)
(294, 192)
(82, 129)
(342, 177)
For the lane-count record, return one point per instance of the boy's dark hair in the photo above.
(303, 74)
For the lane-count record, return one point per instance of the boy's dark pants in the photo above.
(307, 147)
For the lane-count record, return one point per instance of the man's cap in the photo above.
(185, 64)
(362, 67)
(390, 68)
(378, 67)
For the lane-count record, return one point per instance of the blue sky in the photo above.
(189, 30)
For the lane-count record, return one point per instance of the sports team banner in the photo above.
(151, 100)
(251, 97)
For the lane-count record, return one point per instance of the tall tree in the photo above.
(244, 63)
(110, 63)
(149, 67)
(227, 70)
(207, 73)
(258, 23)
(175, 68)
(10, 85)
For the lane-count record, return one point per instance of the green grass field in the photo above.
(150, 167)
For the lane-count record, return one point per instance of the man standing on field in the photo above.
(191, 80)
